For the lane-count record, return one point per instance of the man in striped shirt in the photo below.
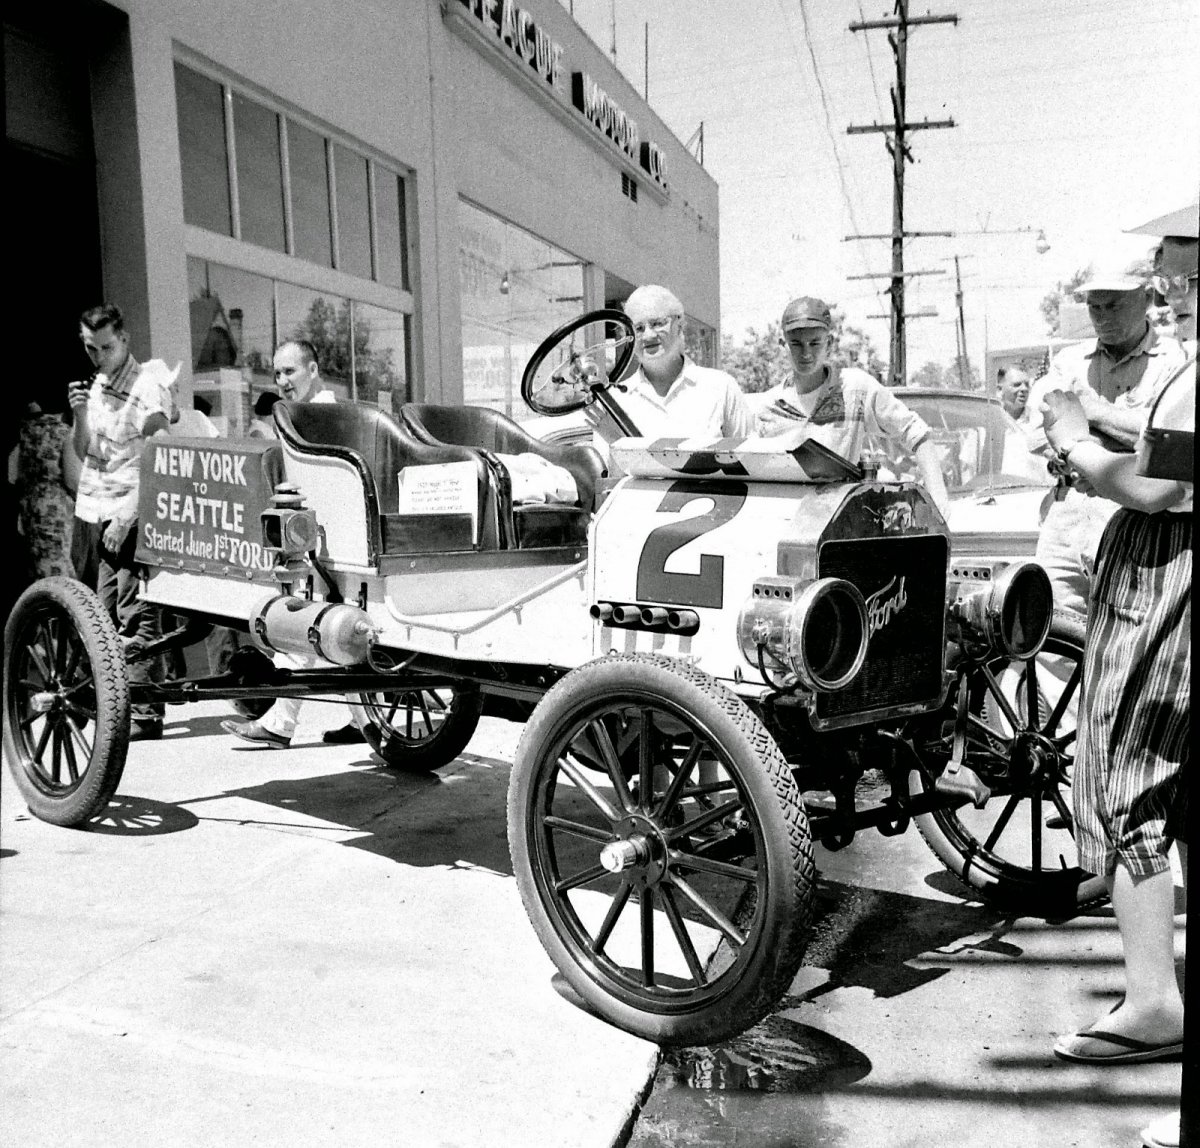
(123, 405)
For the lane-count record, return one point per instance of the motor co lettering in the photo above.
(509, 29)
(605, 113)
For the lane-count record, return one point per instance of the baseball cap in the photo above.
(1111, 273)
(806, 312)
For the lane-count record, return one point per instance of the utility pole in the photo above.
(964, 369)
(897, 146)
(646, 66)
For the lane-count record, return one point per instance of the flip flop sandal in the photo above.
(1134, 1051)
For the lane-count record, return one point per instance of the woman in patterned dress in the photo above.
(1133, 749)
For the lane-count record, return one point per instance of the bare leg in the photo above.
(1145, 912)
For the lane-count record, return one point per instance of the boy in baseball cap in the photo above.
(843, 408)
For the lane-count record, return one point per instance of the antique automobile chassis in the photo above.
(661, 815)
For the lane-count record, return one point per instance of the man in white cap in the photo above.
(842, 408)
(1115, 379)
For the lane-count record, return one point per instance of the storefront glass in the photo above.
(238, 318)
(515, 289)
(324, 320)
(380, 356)
(233, 334)
(700, 341)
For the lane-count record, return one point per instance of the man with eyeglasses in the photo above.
(1116, 378)
(670, 394)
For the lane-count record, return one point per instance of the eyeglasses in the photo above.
(658, 326)
(1170, 284)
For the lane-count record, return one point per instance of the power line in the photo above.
(808, 39)
(898, 27)
(871, 65)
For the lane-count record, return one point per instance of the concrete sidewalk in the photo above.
(290, 948)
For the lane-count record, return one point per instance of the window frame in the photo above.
(235, 252)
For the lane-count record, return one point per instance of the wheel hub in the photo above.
(639, 852)
(1034, 760)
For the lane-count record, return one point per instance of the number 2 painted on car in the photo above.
(707, 588)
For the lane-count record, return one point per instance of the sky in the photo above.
(1080, 118)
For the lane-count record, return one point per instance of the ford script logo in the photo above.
(884, 605)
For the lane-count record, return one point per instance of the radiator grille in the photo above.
(907, 576)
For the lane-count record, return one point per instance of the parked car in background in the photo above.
(998, 485)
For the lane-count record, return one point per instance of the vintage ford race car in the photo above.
(722, 653)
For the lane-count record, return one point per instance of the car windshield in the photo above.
(981, 447)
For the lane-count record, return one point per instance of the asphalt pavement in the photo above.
(304, 948)
(294, 948)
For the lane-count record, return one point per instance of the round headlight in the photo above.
(1009, 615)
(827, 634)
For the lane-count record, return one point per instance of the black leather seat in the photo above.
(379, 447)
(491, 432)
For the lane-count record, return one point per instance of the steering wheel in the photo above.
(566, 372)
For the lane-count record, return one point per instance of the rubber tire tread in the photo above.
(432, 753)
(1006, 895)
(110, 745)
(785, 959)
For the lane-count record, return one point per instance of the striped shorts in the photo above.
(1131, 760)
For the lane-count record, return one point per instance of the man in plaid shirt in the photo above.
(123, 405)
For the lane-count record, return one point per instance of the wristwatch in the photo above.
(1064, 451)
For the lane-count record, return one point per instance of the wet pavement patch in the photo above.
(778, 1055)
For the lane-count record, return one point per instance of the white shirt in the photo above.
(701, 403)
(850, 410)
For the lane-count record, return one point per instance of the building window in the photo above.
(283, 197)
(353, 212)
(515, 289)
(202, 151)
(392, 232)
(259, 174)
(309, 170)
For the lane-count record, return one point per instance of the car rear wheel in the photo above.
(661, 849)
(1017, 851)
(66, 701)
(418, 729)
